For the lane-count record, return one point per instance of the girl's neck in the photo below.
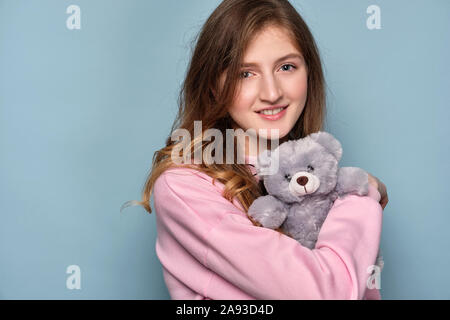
(256, 145)
(261, 145)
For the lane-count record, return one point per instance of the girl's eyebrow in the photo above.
(290, 55)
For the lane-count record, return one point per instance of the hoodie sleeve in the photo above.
(262, 262)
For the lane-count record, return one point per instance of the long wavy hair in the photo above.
(220, 47)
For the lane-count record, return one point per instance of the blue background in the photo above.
(83, 111)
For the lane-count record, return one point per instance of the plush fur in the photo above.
(303, 179)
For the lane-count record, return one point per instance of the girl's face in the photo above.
(273, 75)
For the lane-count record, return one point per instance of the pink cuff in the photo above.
(372, 294)
(374, 193)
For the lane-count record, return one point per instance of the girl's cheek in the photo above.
(298, 85)
(246, 97)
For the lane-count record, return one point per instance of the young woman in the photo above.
(253, 55)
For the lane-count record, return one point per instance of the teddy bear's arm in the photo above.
(352, 180)
(269, 211)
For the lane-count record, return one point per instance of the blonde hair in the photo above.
(220, 47)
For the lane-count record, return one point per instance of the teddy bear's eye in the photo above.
(311, 168)
(287, 177)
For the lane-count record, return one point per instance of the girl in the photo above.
(251, 56)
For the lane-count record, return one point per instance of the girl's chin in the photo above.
(269, 132)
(268, 135)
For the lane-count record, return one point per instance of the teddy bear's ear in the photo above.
(267, 163)
(329, 142)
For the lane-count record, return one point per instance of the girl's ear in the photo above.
(213, 90)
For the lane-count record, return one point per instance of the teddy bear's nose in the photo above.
(302, 180)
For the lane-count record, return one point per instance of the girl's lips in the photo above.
(274, 116)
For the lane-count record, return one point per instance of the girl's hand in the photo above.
(381, 189)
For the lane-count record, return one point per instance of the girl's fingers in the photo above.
(381, 189)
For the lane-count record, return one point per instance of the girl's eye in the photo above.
(243, 73)
(287, 177)
(287, 65)
(311, 168)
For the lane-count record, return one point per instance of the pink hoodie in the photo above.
(209, 249)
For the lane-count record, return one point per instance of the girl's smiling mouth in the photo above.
(273, 113)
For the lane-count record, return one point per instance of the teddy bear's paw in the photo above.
(352, 180)
(310, 244)
(268, 211)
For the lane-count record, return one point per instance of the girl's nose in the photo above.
(270, 89)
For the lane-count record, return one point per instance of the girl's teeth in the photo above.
(271, 112)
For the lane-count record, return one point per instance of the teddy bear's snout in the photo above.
(303, 180)
(303, 183)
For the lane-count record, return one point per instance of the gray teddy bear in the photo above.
(302, 179)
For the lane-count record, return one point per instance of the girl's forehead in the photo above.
(268, 43)
(270, 34)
